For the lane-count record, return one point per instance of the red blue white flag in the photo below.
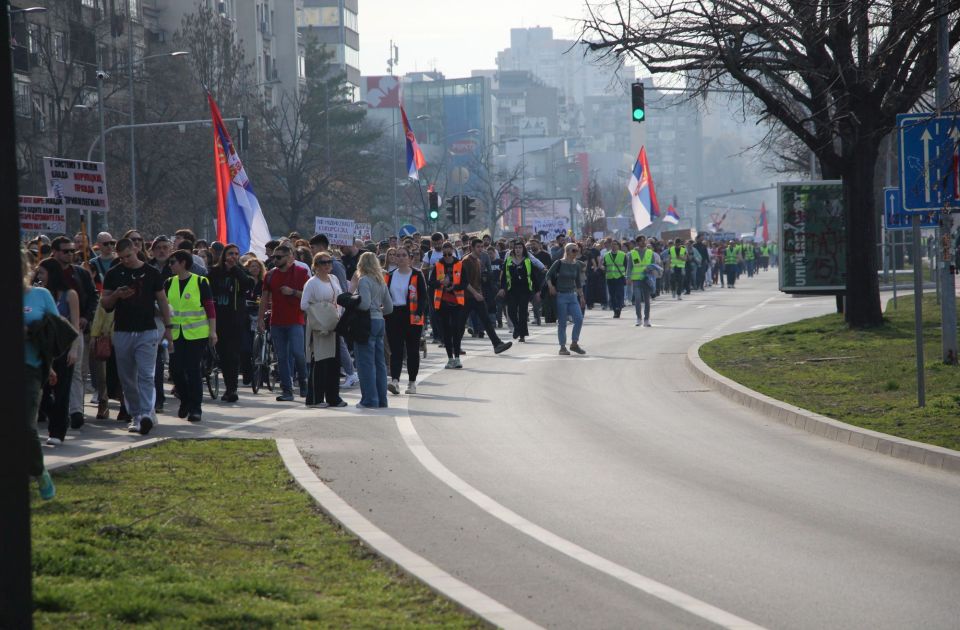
(762, 233)
(239, 218)
(672, 215)
(643, 196)
(415, 159)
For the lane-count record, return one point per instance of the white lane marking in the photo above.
(640, 582)
(385, 544)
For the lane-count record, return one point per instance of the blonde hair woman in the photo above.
(371, 362)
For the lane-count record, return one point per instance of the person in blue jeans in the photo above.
(282, 289)
(371, 360)
(565, 281)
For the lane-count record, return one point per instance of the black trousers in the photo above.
(480, 308)
(615, 288)
(187, 372)
(324, 383)
(451, 318)
(517, 301)
(229, 344)
(56, 399)
(403, 339)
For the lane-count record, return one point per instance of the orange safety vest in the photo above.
(438, 293)
(416, 319)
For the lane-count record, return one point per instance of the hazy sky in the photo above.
(453, 35)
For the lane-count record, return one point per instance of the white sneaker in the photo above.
(646, 323)
(133, 427)
(457, 364)
(411, 388)
(393, 386)
(52, 441)
(351, 380)
(451, 363)
(638, 322)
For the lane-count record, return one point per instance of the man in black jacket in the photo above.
(80, 280)
(230, 282)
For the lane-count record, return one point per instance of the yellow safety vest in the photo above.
(528, 266)
(730, 256)
(615, 265)
(638, 269)
(678, 261)
(187, 314)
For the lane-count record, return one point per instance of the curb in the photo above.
(389, 548)
(882, 443)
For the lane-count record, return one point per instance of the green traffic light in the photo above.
(638, 114)
(434, 215)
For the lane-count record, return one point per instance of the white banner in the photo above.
(339, 231)
(363, 231)
(81, 185)
(551, 228)
(42, 215)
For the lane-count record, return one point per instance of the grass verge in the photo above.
(863, 377)
(210, 533)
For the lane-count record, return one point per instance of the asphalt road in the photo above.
(614, 490)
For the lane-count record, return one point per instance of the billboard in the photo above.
(381, 92)
(813, 237)
(547, 209)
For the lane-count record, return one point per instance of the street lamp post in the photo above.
(133, 157)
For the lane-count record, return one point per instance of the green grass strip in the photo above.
(862, 377)
(212, 534)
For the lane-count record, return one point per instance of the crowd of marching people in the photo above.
(120, 315)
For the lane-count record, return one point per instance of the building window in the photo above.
(320, 16)
(135, 8)
(22, 99)
(301, 65)
(60, 46)
(352, 58)
(350, 20)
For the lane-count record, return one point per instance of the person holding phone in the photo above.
(133, 291)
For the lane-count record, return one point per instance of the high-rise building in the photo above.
(334, 23)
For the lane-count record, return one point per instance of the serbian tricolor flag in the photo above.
(239, 218)
(762, 233)
(643, 197)
(672, 215)
(415, 159)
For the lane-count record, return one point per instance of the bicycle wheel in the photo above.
(213, 383)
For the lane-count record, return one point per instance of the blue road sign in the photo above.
(929, 161)
(894, 217)
(407, 230)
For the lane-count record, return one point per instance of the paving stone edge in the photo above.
(926, 454)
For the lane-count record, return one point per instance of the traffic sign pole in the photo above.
(918, 311)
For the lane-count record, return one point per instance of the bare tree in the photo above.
(833, 73)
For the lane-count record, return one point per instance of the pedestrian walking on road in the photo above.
(371, 360)
(134, 290)
(38, 303)
(56, 392)
(282, 290)
(516, 286)
(615, 271)
(472, 269)
(565, 281)
(194, 318)
(446, 280)
(408, 292)
(641, 257)
(319, 303)
(230, 283)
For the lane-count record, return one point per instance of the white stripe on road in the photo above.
(647, 585)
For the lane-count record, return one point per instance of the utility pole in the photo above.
(948, 299)
(133, 152)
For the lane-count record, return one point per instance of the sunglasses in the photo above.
(324, 262)
(110, 243)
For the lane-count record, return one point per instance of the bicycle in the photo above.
(210, 366)
(263, 359)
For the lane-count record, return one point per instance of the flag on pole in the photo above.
(672, 215)
(239, 218)
(762, 233)
(415, 159)
(643, 197)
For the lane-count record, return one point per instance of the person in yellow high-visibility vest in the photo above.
(678, 262)
(194, 318)
(615, 268)
(640, 258)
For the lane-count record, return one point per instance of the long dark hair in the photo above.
(519, 242)
(56, 280)
(223, 255)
